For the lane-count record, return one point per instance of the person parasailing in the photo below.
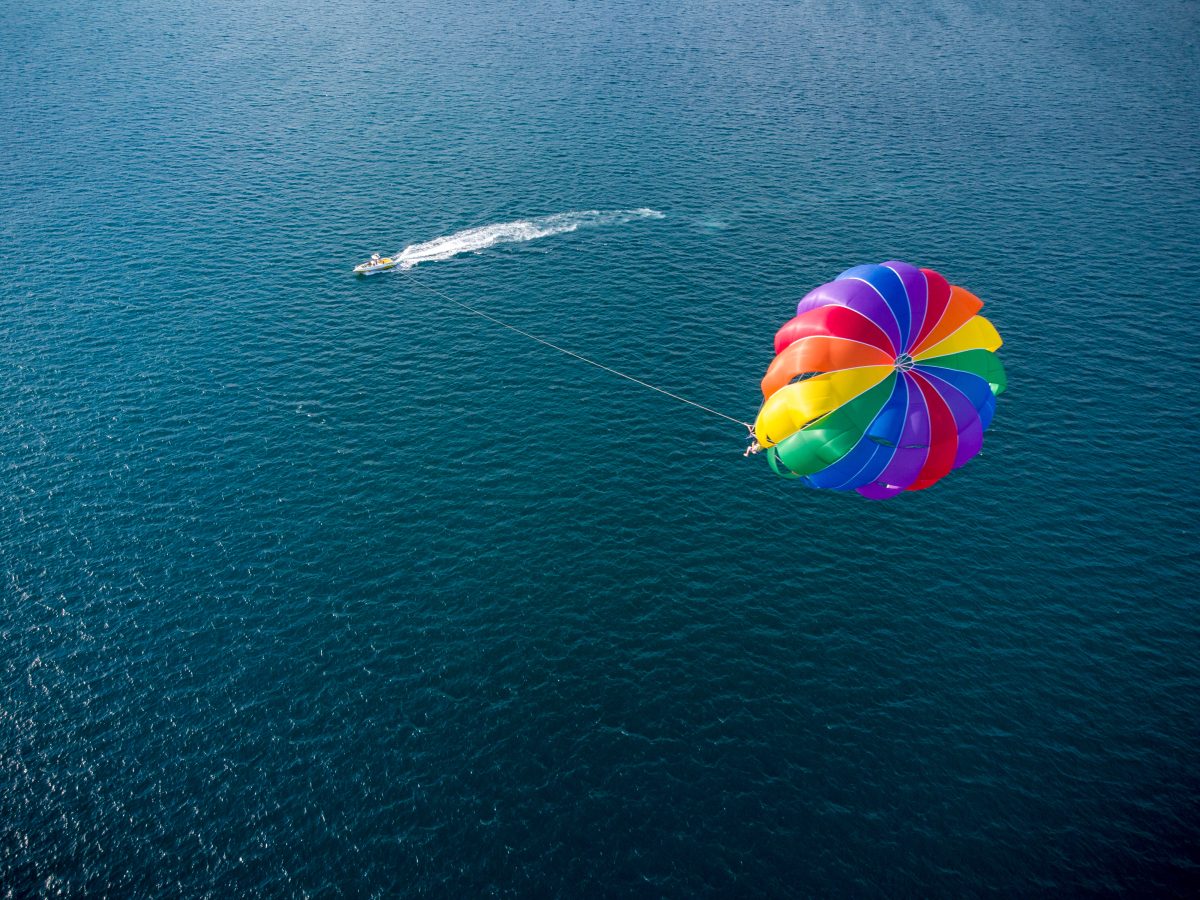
(754, 446)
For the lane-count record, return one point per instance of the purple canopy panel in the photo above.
(911, 452)
(966, 417)
(918, 295)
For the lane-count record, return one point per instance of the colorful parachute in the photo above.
(884, 382)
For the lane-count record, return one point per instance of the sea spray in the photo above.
(472, 240)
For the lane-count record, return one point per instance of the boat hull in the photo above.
(371, 270)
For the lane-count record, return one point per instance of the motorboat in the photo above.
(375, 264)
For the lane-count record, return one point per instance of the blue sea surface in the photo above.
(321, 586)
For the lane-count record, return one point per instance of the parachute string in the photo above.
(579, 356)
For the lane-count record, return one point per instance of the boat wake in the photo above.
(472, 240)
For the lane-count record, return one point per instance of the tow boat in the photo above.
(375, 264)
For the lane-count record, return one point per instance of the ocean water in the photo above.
(320, 586)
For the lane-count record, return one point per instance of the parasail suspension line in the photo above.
(579, 356)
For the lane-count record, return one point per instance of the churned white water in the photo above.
(481, 237)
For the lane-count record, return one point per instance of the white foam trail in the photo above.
(472, 240)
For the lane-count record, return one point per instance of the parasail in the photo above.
(885, 381)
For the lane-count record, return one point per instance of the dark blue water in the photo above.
(316, 586)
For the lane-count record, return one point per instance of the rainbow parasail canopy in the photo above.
(885, 381)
